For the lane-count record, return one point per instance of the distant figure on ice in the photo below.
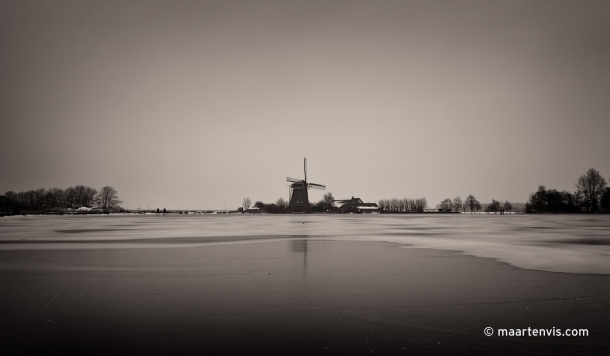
(163, 211)
(157, 211)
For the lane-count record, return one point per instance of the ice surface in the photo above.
(558, 243)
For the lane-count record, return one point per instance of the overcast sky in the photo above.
(198, 104)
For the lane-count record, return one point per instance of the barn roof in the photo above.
(354, 201)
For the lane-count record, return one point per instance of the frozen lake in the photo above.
(557, 243)
(301, 284)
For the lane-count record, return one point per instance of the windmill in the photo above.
(299, 200)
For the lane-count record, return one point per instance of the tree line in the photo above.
(471, 204)
(592, 195)
(403, 205)
(55, 199)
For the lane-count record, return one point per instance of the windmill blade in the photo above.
(305, 167)
(293, 180)
(316, 186)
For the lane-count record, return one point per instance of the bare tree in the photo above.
(80, 192)
(69, 197)
(471, 202)
(39, 196)
(494, 207)
(49, 198)
(477, 205)
(280, 206)
(457, 204)
(89, 197)
(281, 203)
(446, 205)
(108, 198)
(328, 200)
(29, 198)
(420, 205)
(591, 185)
(10, 195)
(52, 198)
(403, 205)
(246, 204)
(508, 206)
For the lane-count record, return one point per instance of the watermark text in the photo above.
(531, 332)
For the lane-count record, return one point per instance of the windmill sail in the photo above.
(316, 186)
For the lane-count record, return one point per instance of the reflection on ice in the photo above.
(300, 247)
(560, 243)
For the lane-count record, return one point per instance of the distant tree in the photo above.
(591, 185)
(446, 205)
(89, 195)
(4, 205)
(328, 200)
(259, 204)
(403, 205)
(493, 207)
(421, 204)
(27, 199)
(555, 202)
(80, 195)
(477, 206)
(318, 207)
(507, 206)
(70, 197)
(12, 196)
(471, 202)
(399, 206)
(281, 205)
(39, 200)
(394, 204)
(605, 201)
(108, 198)
(457, 204)
(272, 208)
(409, 204)
(246, 204)
(11, 203)
(569, 202)
(47, 199)
(20, 198)
(538, 201)
(579, 199)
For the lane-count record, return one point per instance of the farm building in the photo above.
(355, 205)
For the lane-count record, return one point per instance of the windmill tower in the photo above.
(299, 199)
